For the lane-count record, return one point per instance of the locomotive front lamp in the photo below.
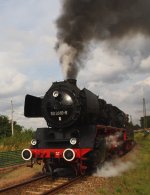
(33, 142)
(55, 94)
(73, 141)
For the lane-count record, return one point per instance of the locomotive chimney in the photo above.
(72, 81)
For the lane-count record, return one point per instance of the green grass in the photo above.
(16, 142)
(11, 147)
(10, 158)
(135, 181)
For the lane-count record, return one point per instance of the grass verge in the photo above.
(135, 181)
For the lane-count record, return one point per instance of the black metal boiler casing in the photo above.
(63, 105)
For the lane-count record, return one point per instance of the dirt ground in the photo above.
(17, 175)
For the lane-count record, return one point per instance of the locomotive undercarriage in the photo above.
(53, 167)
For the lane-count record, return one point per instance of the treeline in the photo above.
(19, 140)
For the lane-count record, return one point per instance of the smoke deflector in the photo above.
(32, 106)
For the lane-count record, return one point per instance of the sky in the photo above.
(117, 72)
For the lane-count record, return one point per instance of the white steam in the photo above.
(113, 168)
(67, 55)
(115, 140)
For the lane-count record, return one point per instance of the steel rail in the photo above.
(52, 190)
(63, 186)
(12, 167)
(22, 183)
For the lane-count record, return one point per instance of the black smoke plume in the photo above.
(84, 20)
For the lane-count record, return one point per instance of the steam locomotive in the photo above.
(83, 130)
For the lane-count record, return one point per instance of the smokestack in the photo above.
(84, 20)
(72, 81)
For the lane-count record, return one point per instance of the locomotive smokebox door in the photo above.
(32, 106)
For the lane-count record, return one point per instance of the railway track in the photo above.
(17, 187)
(5, 169)
(42, 185)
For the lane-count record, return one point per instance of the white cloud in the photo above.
(145, 64)
(119, 73)
(11, 82)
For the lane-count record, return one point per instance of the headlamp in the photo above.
(73, 141)
(55, 94)
(33, 142)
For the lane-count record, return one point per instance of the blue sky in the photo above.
(119, 73)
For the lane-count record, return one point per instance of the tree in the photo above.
(17, 128)
(5, 127)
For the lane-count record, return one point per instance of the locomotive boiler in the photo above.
(82, 129)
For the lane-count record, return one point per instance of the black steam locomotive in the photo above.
(82, 129)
